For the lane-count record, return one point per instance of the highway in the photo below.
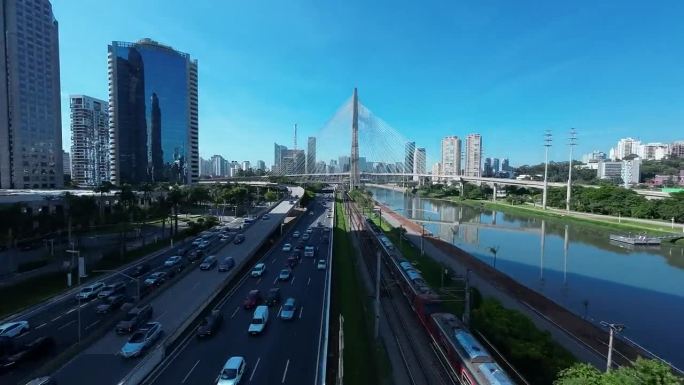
(287, 351)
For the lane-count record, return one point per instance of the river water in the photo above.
(576, 266)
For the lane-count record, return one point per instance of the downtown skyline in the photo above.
(252, 87)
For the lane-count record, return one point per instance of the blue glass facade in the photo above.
(151, 125)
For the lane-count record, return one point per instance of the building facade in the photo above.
(153, 105)
(624, 148)
(261, 165)
(496, 165)
(30, 107)
(609, 170)
(311, 155)
(89, 141)
(66, 163)
(473, 155)
(654, 151)
(630, 172)
(677, 149)
(419, 163)
(409, 153)
(488, 169)
(451, 155)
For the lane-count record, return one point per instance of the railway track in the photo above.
(414, 345)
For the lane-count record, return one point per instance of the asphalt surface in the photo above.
(287, 351)
(59, 317)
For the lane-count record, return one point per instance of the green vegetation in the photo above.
(643, 372)
(32, 265)
(558, 172)
(651, 168)
(532, 352)
(29, 292)
(360, 367)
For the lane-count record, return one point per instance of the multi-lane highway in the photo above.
(287, 351)
(59, 317)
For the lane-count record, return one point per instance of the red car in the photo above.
(253, 299)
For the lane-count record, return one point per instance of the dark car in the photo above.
(34, 350)
(292, 261)
(239, 239)
(134, 318)
(252, 300)
(273, 297)
(155, 279)
(185, 250)
(112, 289)
(110, 303)
(299, 246)
(140, 270)
(210, 324)
(195, 255)
(208, 263)
(226, 264)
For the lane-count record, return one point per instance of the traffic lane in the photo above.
(201, 360)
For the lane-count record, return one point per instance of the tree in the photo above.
(176, 198)
(104, 187)
(642, 372)
(270, 196)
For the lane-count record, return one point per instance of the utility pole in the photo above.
(547, 144)
(572, 142)
(466, 311)
(377, 294)
(78, 275)
(613, 328)
(422, 235)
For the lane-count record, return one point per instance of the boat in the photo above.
(639, 240)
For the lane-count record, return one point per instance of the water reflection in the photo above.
(574, 265)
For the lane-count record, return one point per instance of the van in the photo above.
(259, 320)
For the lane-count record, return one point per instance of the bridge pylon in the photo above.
(354, 173)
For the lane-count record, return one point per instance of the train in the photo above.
(467, 358)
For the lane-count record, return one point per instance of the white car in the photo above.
(321, 264)
(258, 270)
(172, 260)
(90, 291)
(232, 371)
(13, 329)
(295, 234)
(305, 236)
(287, 247)
(309, 230)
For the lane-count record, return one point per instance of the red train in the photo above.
(468, 360)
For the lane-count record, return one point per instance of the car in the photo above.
(195, 255)
(265, 217)
(291, 261)
(289, 309)
(273, 297)
(295, 234)
(208, 263)
(287, 247)
(109, 290)
(183, 251)
(226, 264)
(141, 340)
(210, 324)
(309, 251)
(253, 299)
(259, 320)
(311, 213)
(140, 270)
(329, 216)
(197, 241)
(305, 236)
(134, 318)
(155, 279)
(203, 245)
(34, 350)
(320, 224)
(309, 230)
(300, 245)
(284, 275)
(321, 265)
(232, 371)
(258, 270)
(110, 303)
(239, 238)
(173, 260)
(91, 291)
(14, 329)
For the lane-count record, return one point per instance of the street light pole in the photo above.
(78, 274)
(377, 293)
(613, 328)
(547, 144)
(572, 143)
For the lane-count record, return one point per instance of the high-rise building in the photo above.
(488, 170)
(89, 141)
(654, 151)
(451, 155)
(436, 171)
(205, 167)
(625, 147)
(153, 106)
(66, 163)
(332, 166)
(473, 157)
(246, 165)
(311, 155)
(630, 171)
(609, 170)
(320, 167)
(279, 151)
(594, 157)
(677, 149)
(409, 153)
(343, 163)
(419, 163)
(261, 165)
(495, 165)
(30, 109)
(218, 166)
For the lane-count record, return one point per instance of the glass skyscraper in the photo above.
(30, 115)
(153, 114)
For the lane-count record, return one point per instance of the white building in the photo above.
(419, 163)
(630, 172)
(654, 151)
(473, 155)
(89, 141)
(436, 171)
(451, 155)
(609, 170)
(246, 165)
(625, 147)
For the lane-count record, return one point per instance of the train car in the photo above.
(471, 362)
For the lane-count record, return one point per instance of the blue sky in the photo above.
(505, 69)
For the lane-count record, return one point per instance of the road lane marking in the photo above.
(301, 309)
(162, 314)
(190, 372)
(92, 324)
(84, 305)
(71, 311)
(66, 324)
(273, 261)
(259, 280)
(56, 318)
(235, 312)
(279, 310)
(308, 282)
(194, 286)
(275, 280)
(40, 326)
(292, 281)
(254, 370)
(285, 372)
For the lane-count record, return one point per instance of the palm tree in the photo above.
(176, 198)
(104, 187)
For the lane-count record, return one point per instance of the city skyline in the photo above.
(535, 91)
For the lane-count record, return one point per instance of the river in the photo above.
(574, 265)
